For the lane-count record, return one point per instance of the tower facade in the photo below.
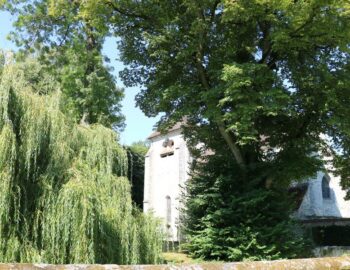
(166, 171)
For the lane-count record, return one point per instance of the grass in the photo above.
(177, 258)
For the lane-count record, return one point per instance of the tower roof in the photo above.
(157, 133)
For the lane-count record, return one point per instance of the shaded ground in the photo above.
(176, 257)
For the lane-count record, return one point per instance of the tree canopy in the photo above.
(270, 76)
(70, 49)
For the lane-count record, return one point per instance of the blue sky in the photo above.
(138, 126)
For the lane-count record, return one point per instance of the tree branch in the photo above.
(212, 15)
(231, 144)
(202, 74)
(306, 23)
(205, 83)
(128, 13)
(266, 43)
(228, 139)
(64, 38)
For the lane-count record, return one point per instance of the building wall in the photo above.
(164, 178)
(314, 205)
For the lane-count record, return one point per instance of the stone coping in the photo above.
(328, 263)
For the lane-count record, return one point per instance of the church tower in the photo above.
(166, 170)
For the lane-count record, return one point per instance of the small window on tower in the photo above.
(326, 191)
(168, 148)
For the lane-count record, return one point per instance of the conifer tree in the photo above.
(225, 218)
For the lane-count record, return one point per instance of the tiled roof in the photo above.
(156, 133)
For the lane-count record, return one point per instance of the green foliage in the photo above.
(89, 89)
(71, 51)
(256, 69)
(270, 78)
(231, 220)
(64, 196)
(2, 60)
(139, 147)
(266, 81)
(136, 170)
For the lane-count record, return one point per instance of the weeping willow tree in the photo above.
(64, 197)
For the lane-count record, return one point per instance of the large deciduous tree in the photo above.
(71, 50)
(270, 76)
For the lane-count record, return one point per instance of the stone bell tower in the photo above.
(166, 171)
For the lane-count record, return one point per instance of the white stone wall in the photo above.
(164, 177)
(314, 205)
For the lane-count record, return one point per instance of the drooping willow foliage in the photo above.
(64, 197)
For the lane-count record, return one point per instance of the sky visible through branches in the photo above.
(138, 126)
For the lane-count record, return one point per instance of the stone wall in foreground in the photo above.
(331, 263)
